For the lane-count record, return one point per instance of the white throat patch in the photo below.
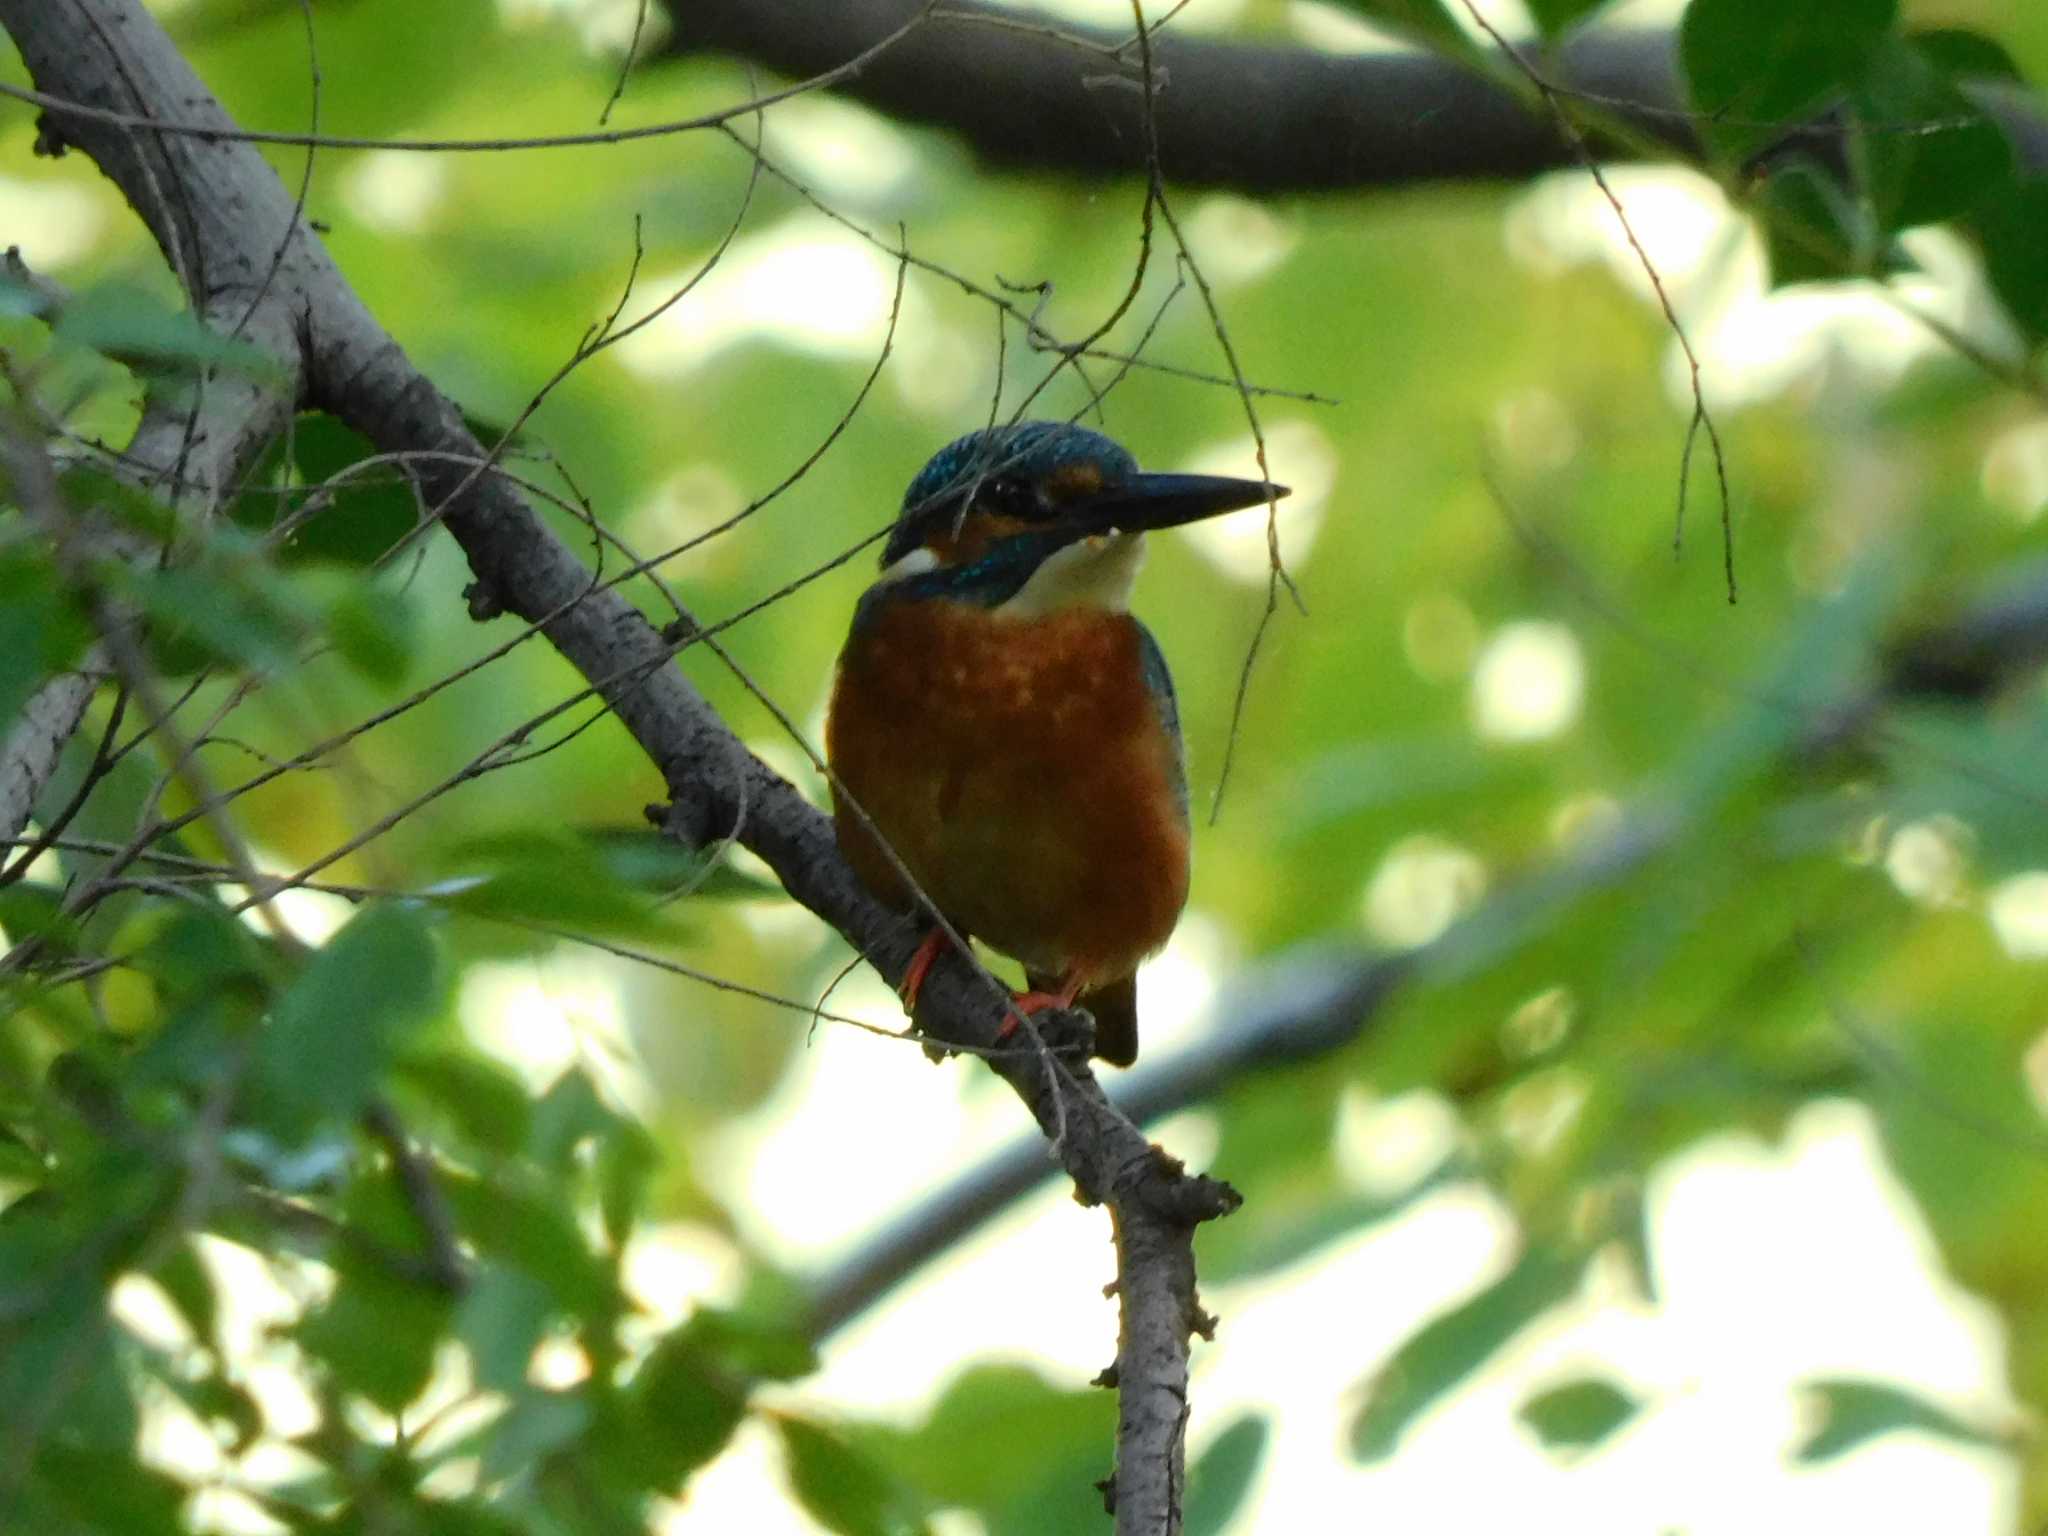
(916, 563)
(1097, 572)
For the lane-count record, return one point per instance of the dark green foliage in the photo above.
(1221, 1477)
(1757, 68)
(1578, 1415)
(1853, 1412)
(1449, 1348)
(41, 627)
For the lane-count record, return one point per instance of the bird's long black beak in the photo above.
(1166, 501)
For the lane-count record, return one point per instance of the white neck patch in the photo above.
(916, 563)
(1097, 572)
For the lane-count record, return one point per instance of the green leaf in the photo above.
(841, 1487)
(1853, 1412)
(2013, 230)
(344, 513)
(135, 327)
(1449, 1348)
(571, 1115)
(207, 615)
(1757, 68)
(535, 1427)
(199, 951)
(1964, 55)
(1814, 230)
(1555, 17)
(377, 1333)
(107, 1491)
(30, 909)
(502, 1319)
(1069, 1433)
(110, 814)
(649, 861)
(338, 1027)
(484, 1103)
(1428, 22)
(685, 1408)
(20, 1163)
(1578, 1415)
(41, 628)
(534, 1231)
(186, 1282)
(89, 488)
(1221, 1476)
(626, 1164)
(753, 1344)
(1929, 152)
(62, 1366)
(372, 626)
(534, 878)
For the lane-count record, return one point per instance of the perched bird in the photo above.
(1009, 729)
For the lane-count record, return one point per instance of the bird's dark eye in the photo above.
(1011, 497)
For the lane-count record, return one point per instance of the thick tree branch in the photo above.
(35, 744)
(191, 449)
(1029, 94)
(218, 210)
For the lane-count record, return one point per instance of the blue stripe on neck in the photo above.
(995, 578)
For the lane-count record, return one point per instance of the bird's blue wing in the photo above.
(1159, 683)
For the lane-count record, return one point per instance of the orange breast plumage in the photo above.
(1026, 772)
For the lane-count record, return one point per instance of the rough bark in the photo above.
(32, 748)
(1257, 118)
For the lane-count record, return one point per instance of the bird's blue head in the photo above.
(1023, 492)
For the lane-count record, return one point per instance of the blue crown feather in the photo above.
(1030, 451)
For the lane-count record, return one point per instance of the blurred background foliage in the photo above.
(1671, 867)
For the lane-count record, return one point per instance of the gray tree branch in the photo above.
(1027, 93)
(35, 744)
(189, 449)
(220, 214)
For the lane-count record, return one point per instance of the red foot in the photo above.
(1024, 1004)
(920, 967)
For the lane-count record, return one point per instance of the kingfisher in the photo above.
(1009, 730)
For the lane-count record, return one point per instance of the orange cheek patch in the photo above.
(972, 538)
(1072, 480)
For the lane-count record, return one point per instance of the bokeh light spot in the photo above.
(1535, 431)
(1300, 456)
(1237, 241)
(1926, 860)
(393, 191)
(1540, 1023)
(58, 222)
(2035, 1066)
(804, 282)
(1529, 683)
(1423, 885)
(2018, 909)
(2015, 472)
(840, 149)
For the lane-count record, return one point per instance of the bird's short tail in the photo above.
(1115, 1011)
